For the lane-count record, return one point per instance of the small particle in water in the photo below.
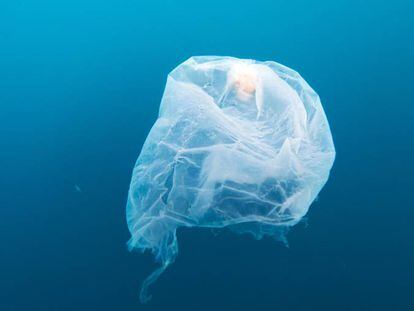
(78, 189)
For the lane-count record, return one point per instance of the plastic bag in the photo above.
(237, 143)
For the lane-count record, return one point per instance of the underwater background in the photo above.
(80, 87)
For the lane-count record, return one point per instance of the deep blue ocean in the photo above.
(80, 87)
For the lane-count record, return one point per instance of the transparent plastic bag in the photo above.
(237, 143)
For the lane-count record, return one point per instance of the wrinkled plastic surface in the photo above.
(237, 143)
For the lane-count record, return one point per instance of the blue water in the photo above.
(80, 85)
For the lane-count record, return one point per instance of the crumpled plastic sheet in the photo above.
(238, 143)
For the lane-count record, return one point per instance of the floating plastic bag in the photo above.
(237, 143)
